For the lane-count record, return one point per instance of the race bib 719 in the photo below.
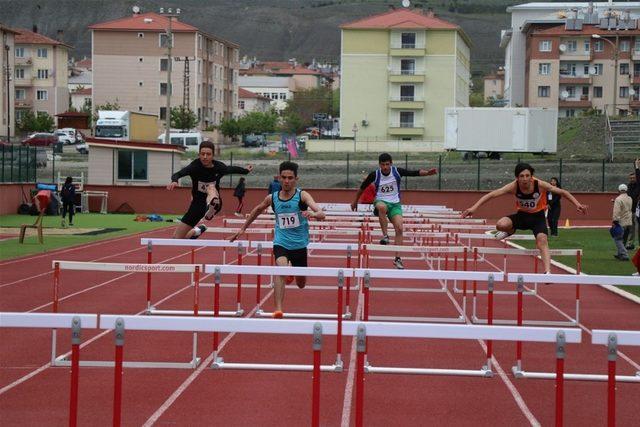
(288, 220)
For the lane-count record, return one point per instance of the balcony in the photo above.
(23, 103)
(406, 102)
(405, 129)
(27, 81)
(411, 75)
(407, 49)
(580, 55)
(23, 61)
(635, 55)
(634, 101)
(582, 102)
(635, 79)
(575, 79)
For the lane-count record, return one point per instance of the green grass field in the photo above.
(598, 250)
(11, 248)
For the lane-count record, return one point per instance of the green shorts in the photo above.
(393, 209)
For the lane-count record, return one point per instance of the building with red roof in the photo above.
(249, 101)
(399, 71)
(129, 65)
(7, 115)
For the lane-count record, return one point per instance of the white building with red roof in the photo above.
(249, 102)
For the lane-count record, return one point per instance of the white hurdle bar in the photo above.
(583, 279)
(368, 274)
(193, 269)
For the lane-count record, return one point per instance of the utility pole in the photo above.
(170, 14)
(7, 51)
(186, 83)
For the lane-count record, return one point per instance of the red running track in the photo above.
(33, 393)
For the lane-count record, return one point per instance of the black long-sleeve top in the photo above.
(372, 176)
(202, 176)
(633, 190)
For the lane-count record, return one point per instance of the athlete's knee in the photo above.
(504, 224)
(382, 209)
(541, 239)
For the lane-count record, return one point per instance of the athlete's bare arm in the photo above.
(564, 193)
(316, 211)
(509, 188)
(252, 216)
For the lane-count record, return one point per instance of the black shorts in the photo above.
(196, 212)
(535, 222)
(297, 257)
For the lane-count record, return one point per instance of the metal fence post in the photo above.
(231, 175)
(2, 164)
(439, 171)
(560, 172)
(406, 166)
(19, 164)
(53, 167)
(347, 170)
(478, 177)
(603, 163)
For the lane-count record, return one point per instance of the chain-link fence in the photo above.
(19, 164)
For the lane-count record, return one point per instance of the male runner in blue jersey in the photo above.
(290, 206)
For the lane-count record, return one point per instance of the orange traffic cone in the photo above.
(567, 224)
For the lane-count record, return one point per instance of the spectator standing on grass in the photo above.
(239, 194)
(553, 203)
(621, 218)
(274, 185)
(68, 196)
(633, 190)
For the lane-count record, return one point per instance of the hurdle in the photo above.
(424, 252)
(242, 247)
(569, 279)
(126, 268)
(612, 339)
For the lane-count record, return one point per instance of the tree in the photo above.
(258, 122)
(183, 118)
(308, 102)
(42, 122)
(476, 99)
(292, 123)
(229, 128)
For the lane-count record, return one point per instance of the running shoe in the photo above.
(278, 314)
(398, 263)
(197, 231)
(502, 235)
(384, 240)
(214, 207)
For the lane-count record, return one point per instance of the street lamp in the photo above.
(170, 14)
(615, 67)
(355, 132)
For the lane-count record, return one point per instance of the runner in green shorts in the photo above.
(386, 204)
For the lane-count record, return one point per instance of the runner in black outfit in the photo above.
(205, 174)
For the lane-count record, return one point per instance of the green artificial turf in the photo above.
(122, 223)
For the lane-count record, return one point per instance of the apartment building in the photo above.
(494, 85)
(7, 106)
(40, 74)
(249, 102)
(514, 38)
(578, 67)
(400, 69)
(130, 64)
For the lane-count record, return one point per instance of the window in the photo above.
(572, 46)
(241, 105)
(140, 35)
(283, 96)
(408, 66)
(544, 46)
(598, 45)
(164, 64)
(43, 52)
(597, 91)
(163, 89)
(191, 140)
(273, 96)
(132, 165)
(406, 119)
(585, 70)
(19, 73)
(407, 92)
(20, 115)
(624, 45)
(163, 113)
(624, 92)
(21, 94)
(585, 90)
(544, 69)
(408, 40)
(597, 68)
(544, 91)
(571, 90)
(19, 52)
(140, 108)
(140, 83)
(624, 68)
(636, 46)
(587, 45)
(42, 95)
(570, 113)
(163, 40)
(43, 74)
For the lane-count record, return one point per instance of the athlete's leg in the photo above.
(542, 243)
(278, 287)
(396, 220)
(212, 194)
(505, 224)
(183, 231)
(382, 217)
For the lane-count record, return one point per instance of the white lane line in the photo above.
(194, 375)
(351, 374)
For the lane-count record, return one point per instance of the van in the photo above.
(189, 140)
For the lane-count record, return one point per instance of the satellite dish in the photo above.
(564, 94)
(562, 47)
(406, 3)
(592, 71)
(136, 9)
(632, 91)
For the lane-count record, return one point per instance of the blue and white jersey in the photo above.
(388, 186)
(291, 228)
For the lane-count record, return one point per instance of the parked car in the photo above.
(41, 140)
(74, 135)
(64, 137)
(82, 148)
(253, 140)
(189, 140)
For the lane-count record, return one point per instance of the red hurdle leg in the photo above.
(361, 350)
(612, 350)
(117, 387)
(464, 267)
(149, 261)
(578, 271)
(56, 286)
(317, 347)
(489, 320)
(339, 314)
(196, 290)
(519, 315)
(75, 367)
(560, 355)
(348, 296)
(239, 288)
(258, 277)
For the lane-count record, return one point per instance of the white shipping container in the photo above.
(501, 130)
